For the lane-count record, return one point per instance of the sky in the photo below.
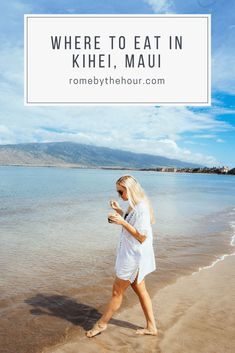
(204, 135)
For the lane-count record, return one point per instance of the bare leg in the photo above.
(119, 287)
(146, 304)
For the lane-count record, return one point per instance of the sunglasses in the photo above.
(120, 192)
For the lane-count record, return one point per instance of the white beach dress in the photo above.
(131, 254)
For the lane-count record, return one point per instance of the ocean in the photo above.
(57, 249)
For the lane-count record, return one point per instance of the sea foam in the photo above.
(222, 257)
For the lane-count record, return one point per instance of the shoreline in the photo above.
(74, 166)
(197, 317)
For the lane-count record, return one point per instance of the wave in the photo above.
(222, 257)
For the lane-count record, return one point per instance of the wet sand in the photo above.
(194, 314)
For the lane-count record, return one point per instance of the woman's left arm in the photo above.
(132, 230)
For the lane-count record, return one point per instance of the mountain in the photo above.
(81, 155)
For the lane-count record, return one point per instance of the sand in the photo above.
(196, 314)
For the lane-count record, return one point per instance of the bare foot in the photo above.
(96, 329)
(146, 331)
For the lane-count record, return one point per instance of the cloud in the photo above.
(223, 68)
(161, 6)
(205, 136)
(156, 130)
(12, 17)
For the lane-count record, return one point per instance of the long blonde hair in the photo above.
(135, 193)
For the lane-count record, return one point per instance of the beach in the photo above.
(57, 257)
(194, 314)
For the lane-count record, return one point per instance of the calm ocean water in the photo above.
(55, 239)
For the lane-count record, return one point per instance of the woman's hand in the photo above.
(117, 219)
(115, 206)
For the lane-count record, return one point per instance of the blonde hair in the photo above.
(135, 193)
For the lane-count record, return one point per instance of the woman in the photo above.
(135, 255)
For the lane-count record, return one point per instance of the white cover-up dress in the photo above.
(131, 254)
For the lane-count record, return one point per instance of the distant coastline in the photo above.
(205, 170)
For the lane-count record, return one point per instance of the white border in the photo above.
(208, 103)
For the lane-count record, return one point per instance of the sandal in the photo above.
(96, 330)
(146, 331)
